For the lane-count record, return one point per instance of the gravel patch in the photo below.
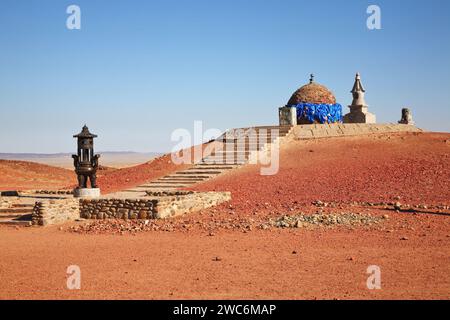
(327, 220)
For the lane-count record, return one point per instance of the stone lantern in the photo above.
(86, 164)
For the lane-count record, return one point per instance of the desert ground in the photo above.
(64, 160)
(400, 183)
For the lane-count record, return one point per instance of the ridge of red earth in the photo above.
(25, 175)
(414, 167)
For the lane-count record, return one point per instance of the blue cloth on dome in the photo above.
(321, 113)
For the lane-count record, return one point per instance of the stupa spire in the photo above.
(358, 92)
(358, 87)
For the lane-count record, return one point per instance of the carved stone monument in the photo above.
(406, 117)
(359, 109)
(86, 165)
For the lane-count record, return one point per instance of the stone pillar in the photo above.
(406, 117)
(359, 109)
(287, 116)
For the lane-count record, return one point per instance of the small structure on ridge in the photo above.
(359, 109)
(312, 103)
(406, 117)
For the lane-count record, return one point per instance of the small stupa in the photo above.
(359, 109)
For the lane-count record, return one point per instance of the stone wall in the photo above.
(6, 202)
(174, 206)
(118, 208)
(314, 131)
(159, 205)
(49, 192)
(48, 212)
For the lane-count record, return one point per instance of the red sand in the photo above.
(415, 167)
(412, 250)
(23, 175)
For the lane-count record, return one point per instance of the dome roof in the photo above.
(312, 93)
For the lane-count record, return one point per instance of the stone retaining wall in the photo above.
(163, 205)
(49, 192)
(7, 202)
(49, 212)
(158, 206)
(118, 208)
(314, 131)
(174, 206)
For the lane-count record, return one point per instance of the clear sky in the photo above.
(137, 70)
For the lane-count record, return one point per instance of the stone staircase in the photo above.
(233, 149)
(16, 215)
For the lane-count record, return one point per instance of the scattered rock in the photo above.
(322, 219)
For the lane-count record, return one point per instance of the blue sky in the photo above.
(141, 69)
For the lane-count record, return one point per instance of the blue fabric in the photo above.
(321, 113)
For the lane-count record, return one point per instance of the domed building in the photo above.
(312, 103)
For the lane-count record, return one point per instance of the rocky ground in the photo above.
(317, 215)
(335, 208)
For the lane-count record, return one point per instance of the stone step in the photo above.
(199, 172)
(234, 161)
(181, 179)
(17, 210)
(10, 222)
(9, 215)
(225, 160)
(173, 186)
(213, 167)
(231, 153)
(193, 176)
(205, 165)
(169, 182)
(23, 205)
(150, 188)
(212, 170)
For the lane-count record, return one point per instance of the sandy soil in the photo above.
(328, 264)
(413, 166)
(200, 256)
(23, 175)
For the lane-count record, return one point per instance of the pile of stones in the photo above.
(328, 220)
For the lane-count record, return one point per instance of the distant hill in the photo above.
(23, 175)
(64, 160)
